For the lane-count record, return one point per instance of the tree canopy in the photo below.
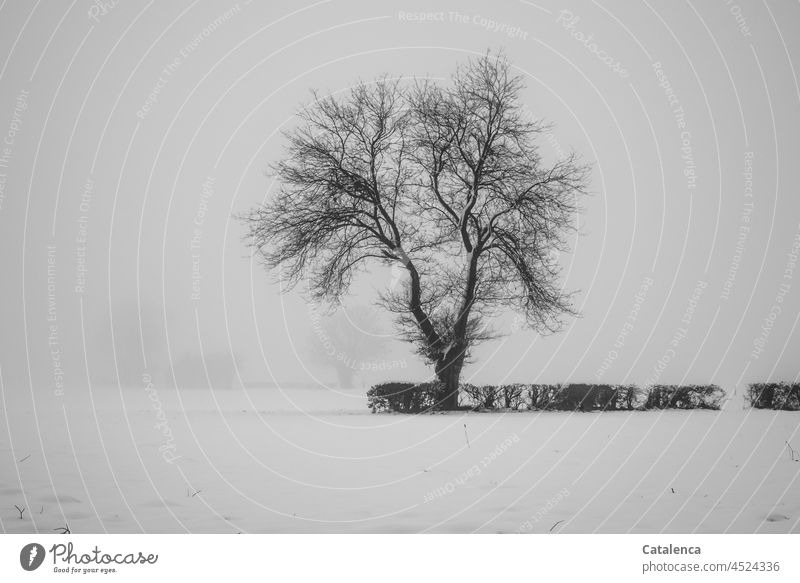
(444, 179)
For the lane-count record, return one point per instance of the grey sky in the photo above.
(161, 119)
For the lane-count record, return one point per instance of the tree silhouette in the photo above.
(443, 180)
(346, 341)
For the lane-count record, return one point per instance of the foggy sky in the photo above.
(133, 134)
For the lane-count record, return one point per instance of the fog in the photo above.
(134, 136)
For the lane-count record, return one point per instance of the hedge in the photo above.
(684, 397)
(781, 396)
(583, 397)
(402, 397)
(407, 397)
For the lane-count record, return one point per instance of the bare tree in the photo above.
(444, 180)
(346, 341)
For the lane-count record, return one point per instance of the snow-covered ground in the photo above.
(317, 460)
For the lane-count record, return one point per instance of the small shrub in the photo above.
(617, 397)
(541, 397)
(780, 396)
(584, 397)
(603, 397)
(403, 397)
(575, 397)
(631, 397)
(510, 396)
(485, 396)
(513, 395)
(684, 397)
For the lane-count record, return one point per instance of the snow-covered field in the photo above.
(316, 460)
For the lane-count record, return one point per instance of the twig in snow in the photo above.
(555, 525)
(42, 510)
(792, 452)
(23, 459)
(63, 529)
(673, 490)
(20, 510)
(466, 435)
(196, 493)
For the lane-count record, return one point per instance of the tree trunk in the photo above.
(448, 368)
(448, 372)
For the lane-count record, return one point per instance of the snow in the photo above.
(317, 460)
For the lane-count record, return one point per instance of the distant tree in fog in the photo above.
(349, 341)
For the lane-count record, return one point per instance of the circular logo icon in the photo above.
(31, 556)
